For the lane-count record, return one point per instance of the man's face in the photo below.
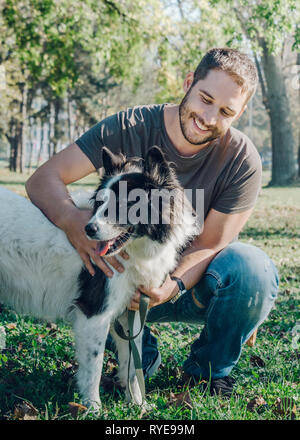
(210, 107)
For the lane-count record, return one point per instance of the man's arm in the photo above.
(219, 230)
(46, 188)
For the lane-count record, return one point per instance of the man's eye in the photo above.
(206, 101)
(225, 113)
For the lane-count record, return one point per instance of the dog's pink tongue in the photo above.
(102, 247)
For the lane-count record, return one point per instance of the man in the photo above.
(231, 286)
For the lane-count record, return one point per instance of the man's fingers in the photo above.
(134, 305)
(102, 265)
(115, 263)
(124, 255)
(87, 262)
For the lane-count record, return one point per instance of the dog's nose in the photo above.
(91, 229)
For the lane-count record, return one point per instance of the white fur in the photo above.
(39, 276)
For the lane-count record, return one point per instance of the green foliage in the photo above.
(47, 36)
(270, 20)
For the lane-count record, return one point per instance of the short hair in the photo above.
(235, 63)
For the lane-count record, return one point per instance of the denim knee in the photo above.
(243, 269)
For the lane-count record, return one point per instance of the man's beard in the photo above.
(185, 114)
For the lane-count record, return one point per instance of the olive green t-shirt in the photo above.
(228, 169)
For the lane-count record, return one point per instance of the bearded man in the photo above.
(225, 286)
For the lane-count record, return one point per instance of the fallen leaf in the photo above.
(67, 365)
(180, 399)
(154, 330)
(39, 338)
(286, 407)
(257, 361)
(25, 411)
(76, 408)
(111, 364)
(255, 403)
(11, 326)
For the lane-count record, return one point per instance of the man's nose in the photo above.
(210, 117)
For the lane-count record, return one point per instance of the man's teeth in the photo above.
(199, 125)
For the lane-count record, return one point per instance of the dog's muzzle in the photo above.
(111, 246)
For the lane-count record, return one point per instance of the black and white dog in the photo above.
(41, 274)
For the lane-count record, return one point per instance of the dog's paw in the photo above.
(93, 406)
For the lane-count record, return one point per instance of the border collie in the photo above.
(42, 275)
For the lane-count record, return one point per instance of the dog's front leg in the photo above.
(90, 337)
(134, 393)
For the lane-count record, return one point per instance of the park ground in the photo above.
(37, 367)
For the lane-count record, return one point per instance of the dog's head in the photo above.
(133, 200)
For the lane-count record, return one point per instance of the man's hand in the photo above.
(157, 295)
(74, 229)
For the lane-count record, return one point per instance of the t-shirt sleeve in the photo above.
(241, 191)
(105, 133)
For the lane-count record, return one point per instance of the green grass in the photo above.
(38, 364)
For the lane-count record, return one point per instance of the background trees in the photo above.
(65, 64)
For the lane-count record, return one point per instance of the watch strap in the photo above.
(182, 289)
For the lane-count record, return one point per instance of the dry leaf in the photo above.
(255, 403)
(51, 326)
(76, 408)
(180, 399)
(25, 411)
(111, 364)
(11, 326)
(154, 330)
(67, 365)
(257, 361)
(39, 338)
(286, 407)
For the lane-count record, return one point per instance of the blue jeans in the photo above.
(236, 292)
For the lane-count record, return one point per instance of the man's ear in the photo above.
(188, 81)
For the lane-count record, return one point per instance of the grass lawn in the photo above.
(38, 363)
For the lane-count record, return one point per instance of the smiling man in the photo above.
(227, 286)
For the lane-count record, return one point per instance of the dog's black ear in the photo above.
(157, 166)
(112, 162)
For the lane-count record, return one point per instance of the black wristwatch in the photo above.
(182, 289)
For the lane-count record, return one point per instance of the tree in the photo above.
(267, 26)
(45, 37)
(260, 28)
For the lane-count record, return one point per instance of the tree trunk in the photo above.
(57, 126)
(298, 64)
(14, 141)
(31, 147)
(41, 143)
(283, 158)
(23, 130)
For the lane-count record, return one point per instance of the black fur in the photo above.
(93, 292)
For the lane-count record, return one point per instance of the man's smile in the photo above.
(201, 128)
